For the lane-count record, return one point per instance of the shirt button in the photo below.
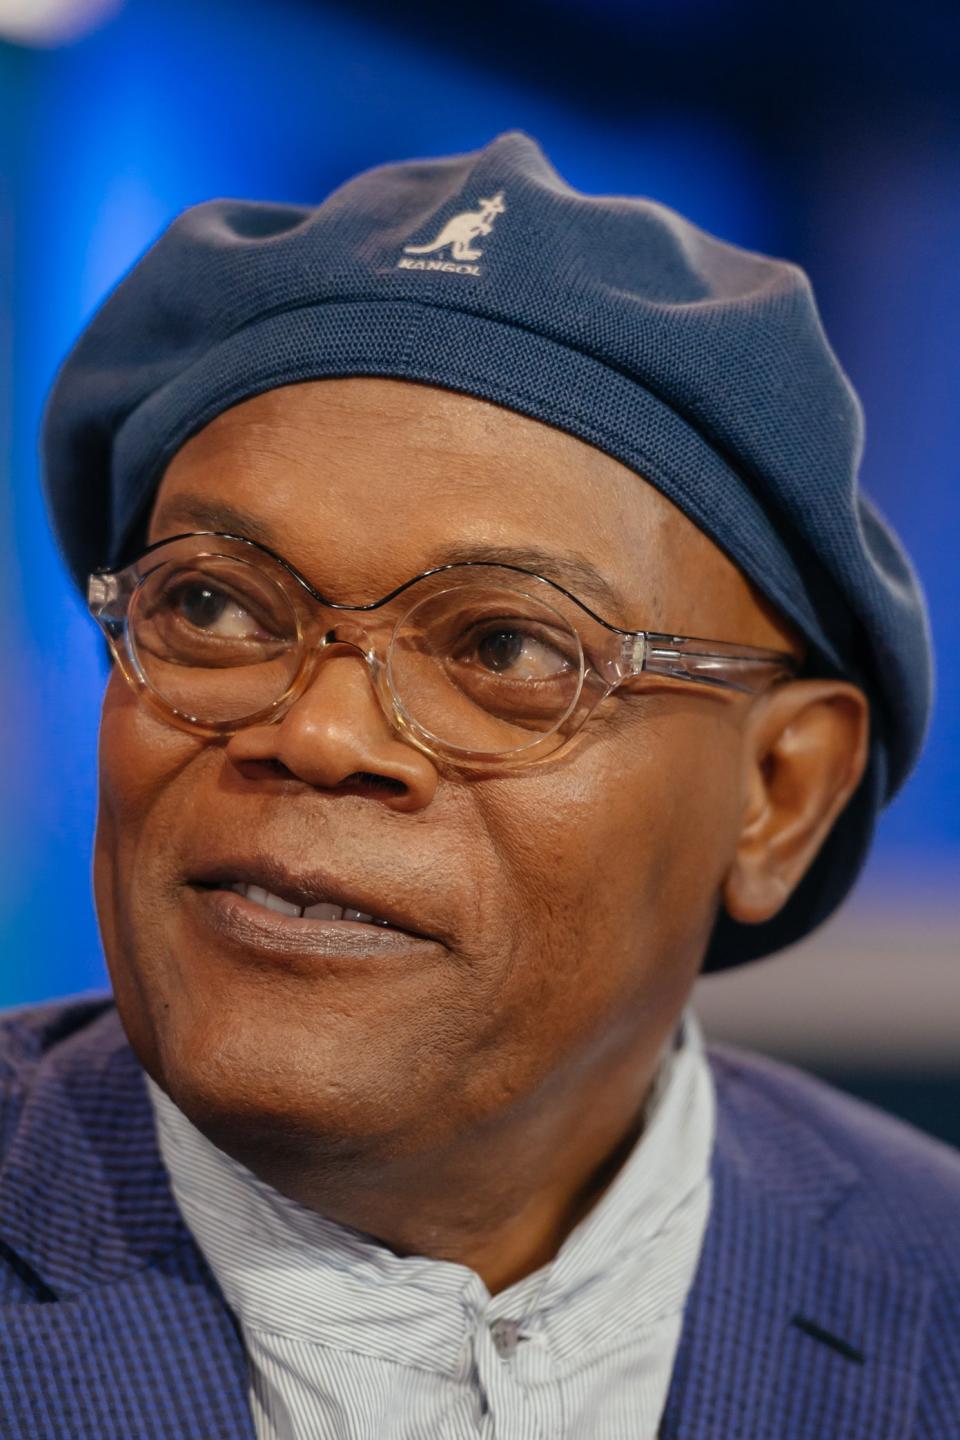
(505, 1334)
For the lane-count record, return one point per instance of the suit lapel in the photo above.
(156, 1356)
(84, 1196)
(137, 1339)
(789, 1334)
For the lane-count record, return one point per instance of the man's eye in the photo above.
(206, 608)
(519, 654)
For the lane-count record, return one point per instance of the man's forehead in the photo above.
(387, 421)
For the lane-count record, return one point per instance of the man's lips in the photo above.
(339, 946)
(306, 889)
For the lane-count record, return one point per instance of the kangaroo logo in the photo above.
(457, 236)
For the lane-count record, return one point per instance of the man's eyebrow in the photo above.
(196, 513)
(573, 571)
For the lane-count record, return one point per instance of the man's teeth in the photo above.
(322, 911)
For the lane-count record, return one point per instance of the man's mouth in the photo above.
(297, 916)
(303, 898)
(323, 910)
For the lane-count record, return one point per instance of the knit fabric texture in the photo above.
(701, 366)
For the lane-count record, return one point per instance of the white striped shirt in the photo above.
(348, 1341)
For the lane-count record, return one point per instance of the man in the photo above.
(498, 637)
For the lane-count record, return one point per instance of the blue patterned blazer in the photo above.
(826, 1304)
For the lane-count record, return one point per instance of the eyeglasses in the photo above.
(476, 662)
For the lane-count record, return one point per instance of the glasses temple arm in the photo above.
(706, 662)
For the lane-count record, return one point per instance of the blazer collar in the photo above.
(141, 1340)
(787, 1331)
(84, 1196)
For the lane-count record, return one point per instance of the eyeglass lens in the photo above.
(481, 667)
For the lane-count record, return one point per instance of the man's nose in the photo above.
(336, 734)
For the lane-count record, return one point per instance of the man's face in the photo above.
(569, 903)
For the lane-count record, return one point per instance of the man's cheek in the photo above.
(141, 765)
(142, 760)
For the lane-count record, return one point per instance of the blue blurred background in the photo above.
(828, 134)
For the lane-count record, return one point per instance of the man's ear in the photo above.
(806, 748)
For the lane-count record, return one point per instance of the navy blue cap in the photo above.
(702, 366)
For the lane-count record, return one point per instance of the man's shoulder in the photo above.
(894, 1191)
(27, 1032)
(32, 1036)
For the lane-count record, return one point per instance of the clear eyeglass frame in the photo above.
(609, 656)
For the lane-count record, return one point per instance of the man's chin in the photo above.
(255, 1093)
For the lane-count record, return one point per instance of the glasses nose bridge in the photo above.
(344, 632)
(338, 639)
